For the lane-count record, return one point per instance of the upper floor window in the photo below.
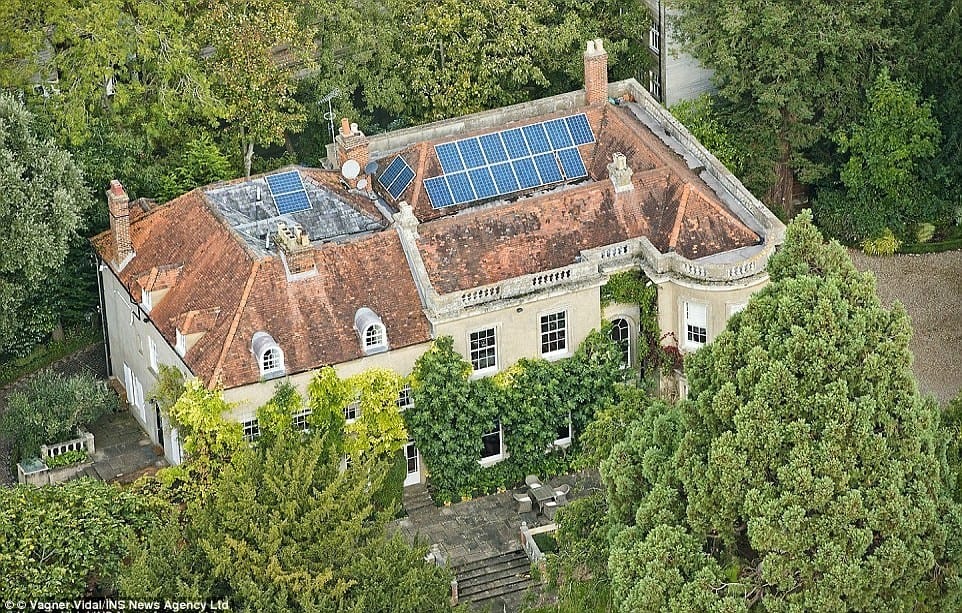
(696, 324)
(252, 429)
(621, 335)
(654, 38)
(152, 353)
(654, 84)
(405, 398)
(299, 420)
(270, 357)
(483, 350)
(554, 333)
(371, 331)
(352, 411)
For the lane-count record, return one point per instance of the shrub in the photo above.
(886, 244)
(924, 232)
(66, 459)
(50, 409)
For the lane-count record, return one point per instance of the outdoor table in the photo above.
(540, 494)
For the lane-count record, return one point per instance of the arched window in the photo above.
(621, 334)
(374, 336)
(269, 356)
(370, 331)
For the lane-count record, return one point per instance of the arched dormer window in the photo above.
(370, 331)
(268, 354)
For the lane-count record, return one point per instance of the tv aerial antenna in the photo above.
(329, 115)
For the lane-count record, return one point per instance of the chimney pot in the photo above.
(354, 128)
(345, 126)
(620, 174)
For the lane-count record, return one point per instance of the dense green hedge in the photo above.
(938, 247)
(532, 399)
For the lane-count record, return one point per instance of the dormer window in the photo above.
(371, 331)
(181, 344)
(269, 356)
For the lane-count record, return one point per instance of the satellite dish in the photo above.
(362, 184)
(351, 169)
(371, 168)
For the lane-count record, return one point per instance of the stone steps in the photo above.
(494, 581)
(416, 498)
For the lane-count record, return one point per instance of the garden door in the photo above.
(413, 464)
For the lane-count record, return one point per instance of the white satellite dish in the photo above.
(351, 169)
(362, 184)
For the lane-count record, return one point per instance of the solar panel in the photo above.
(580, 130)
(438, 192)
(548, 168)
(471, 153)
(285, 182)
(483, 183)
(493, 148)
(391, 172)
(449, 157)
(537, 139)
(399, 184)
(527, 175)
(291, 202)
(461, 187)
(515, 144)
(558, 134)
(504, 178)
(572, 164)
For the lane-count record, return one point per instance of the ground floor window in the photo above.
(491, 445)
(621, 334)
(299, 420)
(252, 429)
(563, 434)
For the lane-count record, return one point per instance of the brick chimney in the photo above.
(351, 144)
(596, 73)
(119, 205)
(296, 245)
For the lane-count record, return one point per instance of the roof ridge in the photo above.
(233, 326)
(679, 216)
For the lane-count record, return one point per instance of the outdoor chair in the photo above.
(549, 509)
(561, 494)
(524, 502)
(531, 480)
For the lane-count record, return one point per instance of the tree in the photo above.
(44, 200)
(68, 540)
(803, 472)
(882, 186)
(258, 48)
(798, 69)
(51, 408)
(285, 529)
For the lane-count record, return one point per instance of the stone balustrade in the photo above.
(83, 442)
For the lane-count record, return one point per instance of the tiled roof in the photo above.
(669, 204)
(226, 291)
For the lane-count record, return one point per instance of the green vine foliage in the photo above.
(533, 400)
(378, 432)
(634, 287)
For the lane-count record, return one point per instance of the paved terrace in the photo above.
(480, 527)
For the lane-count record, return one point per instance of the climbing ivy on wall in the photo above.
(378, 431)
(634, 287)
(532, 400)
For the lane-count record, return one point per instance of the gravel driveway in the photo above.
(930, 287)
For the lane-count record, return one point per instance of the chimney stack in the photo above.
(620, 174)
(351, 144)
(596, 73)
(119, 204)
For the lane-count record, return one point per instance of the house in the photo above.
(675, 76)
(497, 229)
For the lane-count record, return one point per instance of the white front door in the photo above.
(413, 464)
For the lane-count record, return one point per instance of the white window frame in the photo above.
(654, 39)
(736, 307)
(405, 399)
(152, 353)
(654, 84)
(694, 318)
(146, 301)
(626, 355)
(278, 364)
(181, 344)
(299, 420)
(375, 337)
(251, 429)
(493, 459)
(489, 368)
(544, 337)
(352, 408)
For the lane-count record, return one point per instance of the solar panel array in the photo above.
(396, 177)
(509, 161)
(288, 192)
